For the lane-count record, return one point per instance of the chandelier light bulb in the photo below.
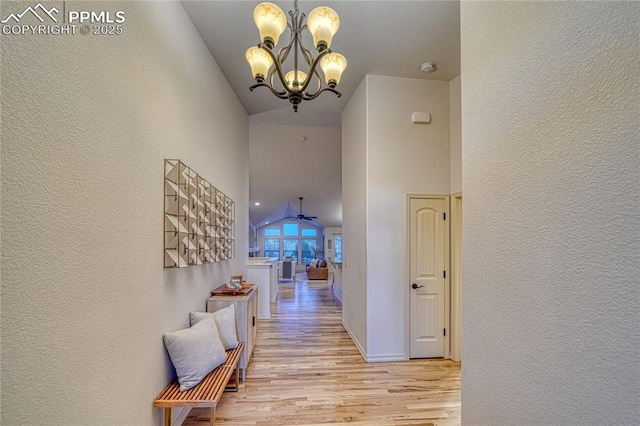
(290, 79)
(333, 65)
(323, 22)
(271, 22)
(260, 62)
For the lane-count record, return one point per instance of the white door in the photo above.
(427, 274)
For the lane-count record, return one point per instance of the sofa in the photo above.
(318, 270)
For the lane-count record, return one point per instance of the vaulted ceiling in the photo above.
(390, 38)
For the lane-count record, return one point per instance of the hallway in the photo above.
(306, 370)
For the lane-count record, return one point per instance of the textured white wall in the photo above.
(386, 156)
(402, 157)
(551, 227)
(354, 216)
(311, 169)
(455, 134)
(86, 124)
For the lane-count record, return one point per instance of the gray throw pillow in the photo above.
(195, 352)
(225, 320)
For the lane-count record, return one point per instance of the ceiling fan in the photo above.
(302, 216)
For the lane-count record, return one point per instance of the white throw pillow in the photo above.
(225, 320)
(195, 352)
(313, 263)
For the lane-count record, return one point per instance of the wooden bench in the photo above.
(207, 393)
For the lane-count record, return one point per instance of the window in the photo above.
(308, 250)
(337, 251)
(290, 229)
(303, 242)
(272, 247)
(290, 248)
(309, 232)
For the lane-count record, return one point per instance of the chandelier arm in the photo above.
(284, 52)
(306, 54)
(310, 61)
(296, 41)
(295, 37)
(319, 79)
(277, 66)
(312, 70)
(308, 97)
(300, 27)
(308, 57)
(281, 95)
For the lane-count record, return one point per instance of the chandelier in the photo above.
(267, 66)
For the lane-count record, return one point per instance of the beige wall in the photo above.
(354, 216)
(393, 157)
(86, 124)
(550, 232)
(402, 158)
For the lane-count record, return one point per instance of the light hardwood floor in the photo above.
(305, 370)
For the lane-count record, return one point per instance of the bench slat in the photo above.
(208, 392)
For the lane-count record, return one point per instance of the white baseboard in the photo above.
(355, 341)
(337, 292)
(387, 358)
(374, 358)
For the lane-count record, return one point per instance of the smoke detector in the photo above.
(428, 67)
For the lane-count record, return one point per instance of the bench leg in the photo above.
(167, 416)
(237, 382)
(213, 416)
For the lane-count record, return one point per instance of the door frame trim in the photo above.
(447, 264)
(456, 276)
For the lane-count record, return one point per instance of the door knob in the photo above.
(415, 286)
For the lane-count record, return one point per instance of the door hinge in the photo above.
(444, 331)
(444, 274)
(444, 215)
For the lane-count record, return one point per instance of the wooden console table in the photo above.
(246, 320)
